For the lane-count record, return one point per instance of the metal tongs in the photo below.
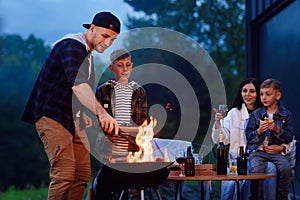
(123, 132)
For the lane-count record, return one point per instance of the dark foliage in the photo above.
(23, 161)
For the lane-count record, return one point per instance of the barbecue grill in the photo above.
(118, 177)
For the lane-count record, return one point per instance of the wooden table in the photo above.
(236, 178)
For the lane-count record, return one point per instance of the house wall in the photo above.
(273, 50)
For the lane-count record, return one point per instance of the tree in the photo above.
(218, 26)
(23, 159)
(20, 62)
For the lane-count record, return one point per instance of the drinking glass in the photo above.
(233, 166)
(223, 110)
(198, 158)
(180, 159)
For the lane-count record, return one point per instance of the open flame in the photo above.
(144, 141)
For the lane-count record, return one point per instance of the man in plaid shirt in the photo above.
(57, 104)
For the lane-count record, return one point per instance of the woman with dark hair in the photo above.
(232, 129)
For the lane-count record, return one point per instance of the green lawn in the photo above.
(30, 193)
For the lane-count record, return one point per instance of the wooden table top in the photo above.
(221, 177)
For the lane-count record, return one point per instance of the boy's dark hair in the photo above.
(271, 83)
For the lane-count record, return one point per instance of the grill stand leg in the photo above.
(121, 195)
(157, 193)
(142, 193)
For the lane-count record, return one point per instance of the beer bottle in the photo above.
(242, 162)
(189, 164)
(221, 157)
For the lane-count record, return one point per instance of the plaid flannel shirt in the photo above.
(51, 96)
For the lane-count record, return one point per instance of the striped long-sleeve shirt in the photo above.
(128, 105)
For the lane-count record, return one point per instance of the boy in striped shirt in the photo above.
(124, 100)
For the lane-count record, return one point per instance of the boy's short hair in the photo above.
(119, 54)
(271, 83)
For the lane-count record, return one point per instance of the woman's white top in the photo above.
(232, 127)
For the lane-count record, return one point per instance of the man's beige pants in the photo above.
(69, 159)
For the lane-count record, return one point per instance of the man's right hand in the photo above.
(108, 124)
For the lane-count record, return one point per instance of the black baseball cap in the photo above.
(105, 20)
